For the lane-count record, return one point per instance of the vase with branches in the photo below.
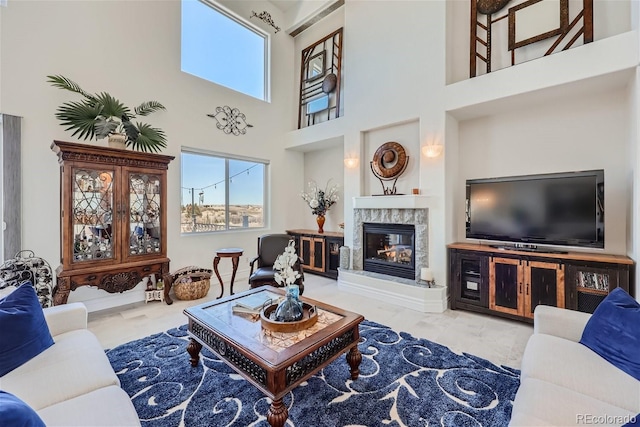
(320, 200)
(100, 115)
(290, 309)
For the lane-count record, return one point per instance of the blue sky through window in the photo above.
(219, 49)
(206, 175)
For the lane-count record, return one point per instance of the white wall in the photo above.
(325, 167)
(395, 57)
(133, 52)
(584, 133)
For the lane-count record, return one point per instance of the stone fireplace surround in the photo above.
(399, 209)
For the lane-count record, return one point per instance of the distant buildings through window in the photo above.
(221, 192)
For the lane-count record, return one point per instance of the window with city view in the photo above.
(221, 192)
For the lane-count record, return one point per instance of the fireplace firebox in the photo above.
(389, 249)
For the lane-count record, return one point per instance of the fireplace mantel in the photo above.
(408, 201)
(400, 209)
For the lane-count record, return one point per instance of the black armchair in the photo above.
(270, 246)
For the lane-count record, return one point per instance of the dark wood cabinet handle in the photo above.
(92, 277)
(147, 268)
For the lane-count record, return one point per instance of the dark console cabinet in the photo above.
(512, 283)
(320, 251)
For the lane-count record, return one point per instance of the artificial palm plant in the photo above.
(101, 115)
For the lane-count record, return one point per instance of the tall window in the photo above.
(221, 48)
(221, 193)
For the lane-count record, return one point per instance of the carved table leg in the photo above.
(354, 357)
(277, 414)
(194, 348)
(168, 283)
(216, 261)
(61, 291)
(235, 261)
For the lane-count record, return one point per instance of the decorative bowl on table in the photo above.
(309, 318)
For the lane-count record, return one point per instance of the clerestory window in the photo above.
(221, 47)
(221, 192)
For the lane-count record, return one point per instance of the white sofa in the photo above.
(72, 383)
(564, 383)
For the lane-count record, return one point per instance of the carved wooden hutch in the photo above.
(113, 218)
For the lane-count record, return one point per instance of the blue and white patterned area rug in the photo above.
(404, 381)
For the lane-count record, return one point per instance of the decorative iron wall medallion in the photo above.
(230, 120)
(265, 17)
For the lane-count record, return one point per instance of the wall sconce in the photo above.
(432, 150)
(351, 162)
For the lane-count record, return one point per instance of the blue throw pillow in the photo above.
(15, 413)
(613, 331)
(25, 333)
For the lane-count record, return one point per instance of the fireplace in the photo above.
(389, 249)
(412, 211)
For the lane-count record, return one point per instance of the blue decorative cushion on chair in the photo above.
(25, 333)
(613, 332)
(15, 413)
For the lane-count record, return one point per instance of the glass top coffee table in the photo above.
(274, 362)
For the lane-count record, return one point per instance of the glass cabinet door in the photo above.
(144, 213)
(92, 214)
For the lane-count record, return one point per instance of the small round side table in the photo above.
(234, 254)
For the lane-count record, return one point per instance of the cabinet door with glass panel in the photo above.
(113, 218)
(143, 214)
(91, 218)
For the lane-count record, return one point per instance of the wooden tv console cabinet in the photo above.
(511, 283)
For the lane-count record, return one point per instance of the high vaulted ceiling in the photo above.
(285, 5)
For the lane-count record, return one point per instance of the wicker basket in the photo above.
(191, 283)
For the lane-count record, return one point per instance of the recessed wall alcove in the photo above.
(406, 134)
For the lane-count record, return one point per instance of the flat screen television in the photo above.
(565, 209)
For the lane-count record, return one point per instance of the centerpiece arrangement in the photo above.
(101, 116)
(320, 201)
(288, 315)
(290, 309)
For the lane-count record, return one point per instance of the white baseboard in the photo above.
(96, 300)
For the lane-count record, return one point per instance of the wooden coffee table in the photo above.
(274, 362)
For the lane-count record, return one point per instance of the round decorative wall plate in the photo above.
(488, 7)
(329, 83)
(389, 160)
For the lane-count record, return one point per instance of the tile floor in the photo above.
(499, 340)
